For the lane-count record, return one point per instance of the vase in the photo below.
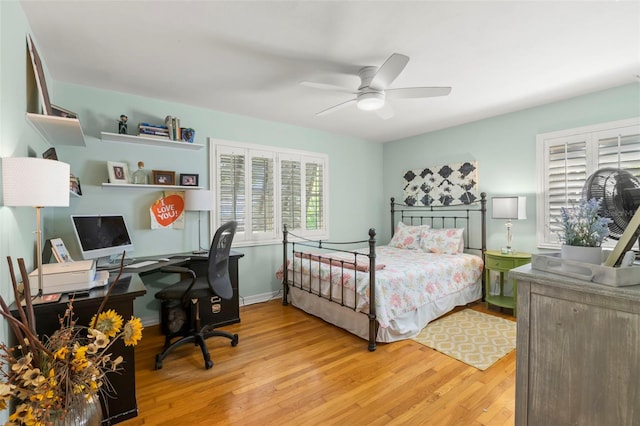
(89, 414)
(582, 254)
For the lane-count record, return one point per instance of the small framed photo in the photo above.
(188, 179)
(74, 185)
(118, 172)
(163, 177)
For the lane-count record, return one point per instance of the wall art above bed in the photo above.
(446, 185)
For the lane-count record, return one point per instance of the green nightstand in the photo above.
(496, 261)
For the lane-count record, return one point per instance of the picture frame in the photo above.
(38, 70)
(189, 179)
(118, 172)
(163, 177)
(74, 185)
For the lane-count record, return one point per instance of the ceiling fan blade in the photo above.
(417, 92)
(388, 72)
(326, 86)
(336, 107)
(386, 112)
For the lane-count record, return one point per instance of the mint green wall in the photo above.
(350, 160)
(505, 148)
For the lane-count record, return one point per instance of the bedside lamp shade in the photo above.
(200, 201)
(35, 182)
(509, 208)
(514, 208)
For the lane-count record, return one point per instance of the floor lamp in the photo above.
(509, 208)
(200, 201)
(38, 183)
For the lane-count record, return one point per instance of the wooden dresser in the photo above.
(577, 353)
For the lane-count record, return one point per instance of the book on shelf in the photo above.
(173, 126)
(155, 126)
(147, 135)
(153, 132)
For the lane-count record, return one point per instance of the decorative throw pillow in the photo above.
(407, 236)
(446, 241)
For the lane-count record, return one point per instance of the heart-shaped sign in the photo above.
(168, 209)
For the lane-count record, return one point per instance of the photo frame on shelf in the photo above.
(38, 70)
(74, 185)
(189, 179)
(163, 177)
(50, 154)
(118, 172)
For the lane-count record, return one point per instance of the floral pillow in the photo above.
(445, 241)
(407, 236)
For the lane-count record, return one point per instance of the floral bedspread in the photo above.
(409, 279)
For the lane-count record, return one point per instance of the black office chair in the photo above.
(179, 299)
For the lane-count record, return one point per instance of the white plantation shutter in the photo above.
(231, 188)
(262, 195)
(620, 149)
(265, 187)
(567, 158)
(291, 194)
(566, 175)
(314, 189)
(303, 193)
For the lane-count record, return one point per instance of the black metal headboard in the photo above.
(467, 216)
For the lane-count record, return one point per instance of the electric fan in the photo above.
(619, 191)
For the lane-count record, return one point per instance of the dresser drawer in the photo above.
(497, 263)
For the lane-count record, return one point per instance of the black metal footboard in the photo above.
(350, 261)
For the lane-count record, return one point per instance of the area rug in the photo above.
(472, 337)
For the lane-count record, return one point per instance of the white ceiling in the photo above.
(248, 57)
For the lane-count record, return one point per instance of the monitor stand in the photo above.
(111, 262)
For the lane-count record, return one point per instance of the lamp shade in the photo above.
(198, 200)
(35, 182)
(514, 208)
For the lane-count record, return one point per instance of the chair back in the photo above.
(218, 270)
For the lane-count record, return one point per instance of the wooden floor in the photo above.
(293, 368)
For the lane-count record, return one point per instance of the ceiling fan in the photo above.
(373, 91)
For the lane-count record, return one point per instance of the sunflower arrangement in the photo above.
(47, 378)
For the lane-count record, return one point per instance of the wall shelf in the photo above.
(141, 140)
(156, 187)
(58, 130)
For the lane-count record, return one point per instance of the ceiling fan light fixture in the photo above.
(370, 101)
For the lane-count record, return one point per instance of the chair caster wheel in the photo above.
(234, 341)
(207, 362)
(158, 362)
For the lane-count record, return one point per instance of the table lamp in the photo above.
(38, 183)
(200, 201)
(509, 208)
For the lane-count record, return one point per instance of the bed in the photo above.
(433, 263)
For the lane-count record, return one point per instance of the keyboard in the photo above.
(142, 264)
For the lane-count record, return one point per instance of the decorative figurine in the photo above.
(122, 124)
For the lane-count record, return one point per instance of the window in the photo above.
(567, 158)
(264, 187)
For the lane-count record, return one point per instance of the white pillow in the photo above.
(445, 241)
(407, 236)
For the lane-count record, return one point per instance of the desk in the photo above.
(123, 405)
(214, 310)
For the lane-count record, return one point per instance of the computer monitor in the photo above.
(102, 237)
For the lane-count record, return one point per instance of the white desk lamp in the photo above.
(510, 208)
(35, 182)
(200, 201)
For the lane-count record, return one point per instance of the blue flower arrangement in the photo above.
(582, 225)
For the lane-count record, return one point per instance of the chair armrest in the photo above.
(178, 270)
